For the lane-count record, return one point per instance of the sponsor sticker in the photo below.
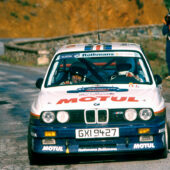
(97, 89)
(143, 146)
(98, 99)
(161, 130)
(133, 85)
(96, 149)
(52, 148)
(98, 54)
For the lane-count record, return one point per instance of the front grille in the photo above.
(90, 116)
(96, 116)
(76, 116)
(102, 116)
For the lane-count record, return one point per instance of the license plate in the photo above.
(97, 133)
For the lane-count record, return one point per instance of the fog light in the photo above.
(147, 138)
(48, 142)
(50, 133)
(143, 130)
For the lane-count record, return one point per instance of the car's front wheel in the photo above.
(33, 157)
(164, 152)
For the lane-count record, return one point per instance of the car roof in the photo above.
(100, 47)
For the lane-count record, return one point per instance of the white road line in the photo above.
(15, 76)
(8, 83)
(30, 90)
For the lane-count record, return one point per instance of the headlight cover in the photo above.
(62, 116)
(145, 114)
(48, 117)
(130, 114)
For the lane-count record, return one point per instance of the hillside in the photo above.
(50, 18)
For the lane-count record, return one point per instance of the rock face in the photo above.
(39, 18)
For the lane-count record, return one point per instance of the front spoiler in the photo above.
(75, 150)
(127, 142)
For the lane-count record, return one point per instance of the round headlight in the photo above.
(48, 117)
(62, 116)
(145, 114)
(130, 114)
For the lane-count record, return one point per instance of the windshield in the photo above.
(118, 67)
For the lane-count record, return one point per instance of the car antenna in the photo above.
(98, 26)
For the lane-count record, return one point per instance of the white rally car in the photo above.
(98, 99)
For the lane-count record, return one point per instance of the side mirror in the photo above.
(158, 79)
(38, 83)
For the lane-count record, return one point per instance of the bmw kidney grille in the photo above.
(96, 116)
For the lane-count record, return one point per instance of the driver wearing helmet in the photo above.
(77, 73)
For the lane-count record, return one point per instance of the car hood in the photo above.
(97, 97)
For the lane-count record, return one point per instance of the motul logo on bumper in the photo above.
(143, 145)
(98, 98)
(53, 148)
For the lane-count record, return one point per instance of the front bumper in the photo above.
(128, 140)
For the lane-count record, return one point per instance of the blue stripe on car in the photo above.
(107, 47)
(88, 47)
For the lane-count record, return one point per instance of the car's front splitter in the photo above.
(158, 144)
(124, 143)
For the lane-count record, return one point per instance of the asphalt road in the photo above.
(17, 91)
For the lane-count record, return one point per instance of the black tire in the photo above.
(164, 152)
(33, 157)
(168, 124)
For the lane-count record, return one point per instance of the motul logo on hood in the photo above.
(98, 99)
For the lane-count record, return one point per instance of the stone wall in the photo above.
(40, 51)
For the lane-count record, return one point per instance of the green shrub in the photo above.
(14, 14)
(152, 55)
(139, 4)
(18, 1)
(26, 17)
(136, 21)
(167, 4)
(23, 3)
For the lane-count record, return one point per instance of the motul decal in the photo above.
(98, 99)
(87, 99)
(143, 145)
(72, 100)
(52, 148)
